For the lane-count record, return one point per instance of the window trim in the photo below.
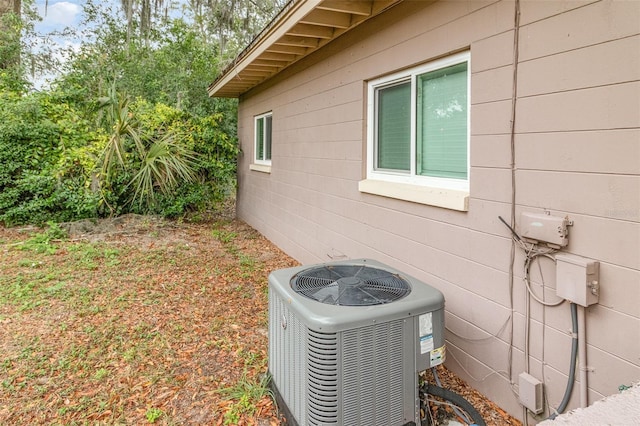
(258, 162)
(412, 178)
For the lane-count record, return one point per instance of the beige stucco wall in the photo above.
(577, 151)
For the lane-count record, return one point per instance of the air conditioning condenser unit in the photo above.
(347, 340)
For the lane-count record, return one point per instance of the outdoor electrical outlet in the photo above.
(530, 393)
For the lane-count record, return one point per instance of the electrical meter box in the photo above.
(577, 279)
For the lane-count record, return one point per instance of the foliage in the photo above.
(41, 242)
(153, 414)
(172, 162)
(23, 52)
(227, 25)
(174, 68)
(46, 158)
(231, 25)
(56, 165)
(128, 125)
(246, 395)
(12, 75)
(156, 157)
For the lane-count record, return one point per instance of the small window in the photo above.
(418, 130)
(263, 139)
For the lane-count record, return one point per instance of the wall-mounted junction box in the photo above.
(577, 279)
(544, 228)
(530, 393)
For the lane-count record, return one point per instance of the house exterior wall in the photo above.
(576, 150)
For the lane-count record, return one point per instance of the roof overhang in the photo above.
(302, 27)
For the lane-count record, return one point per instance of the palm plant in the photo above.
(165, 164)
(122, 127)
(157, 160)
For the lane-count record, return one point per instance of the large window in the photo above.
(418, 130)
(263, 139)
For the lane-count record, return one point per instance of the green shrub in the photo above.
(44, 161)
(53, 164)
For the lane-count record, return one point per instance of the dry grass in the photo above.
(136, 321)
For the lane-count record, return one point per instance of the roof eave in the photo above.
(301, 27)
(294, 12)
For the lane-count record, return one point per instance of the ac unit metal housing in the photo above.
(337, 364)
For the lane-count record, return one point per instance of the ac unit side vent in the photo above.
(322, 380)
(372, 369)
(288, 355)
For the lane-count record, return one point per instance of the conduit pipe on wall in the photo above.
(572, 364)
(582, 356)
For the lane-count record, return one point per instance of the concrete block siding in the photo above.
(577, 154)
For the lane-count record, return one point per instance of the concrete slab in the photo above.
(621, 409)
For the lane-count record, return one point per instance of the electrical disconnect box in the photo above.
(577, 279)
(544, 228)
(530, 392)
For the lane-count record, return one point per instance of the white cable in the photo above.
(481, 339)
(502, 373)
(528, 261)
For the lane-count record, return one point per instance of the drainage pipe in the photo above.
(582, 356)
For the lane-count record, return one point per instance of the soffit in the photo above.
(302, 27)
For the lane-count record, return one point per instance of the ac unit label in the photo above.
(426, 344)
(426, 333)
(426, 324)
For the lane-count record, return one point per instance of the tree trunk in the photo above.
(8, 6)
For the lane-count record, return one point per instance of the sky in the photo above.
(59, 14)
(56, 16)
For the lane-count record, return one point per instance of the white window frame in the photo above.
(256, 160)
(387, 177)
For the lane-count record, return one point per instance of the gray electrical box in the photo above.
(577, 279)
(530, 393)
(544, 228)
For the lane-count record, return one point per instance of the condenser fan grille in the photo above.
(350, 285)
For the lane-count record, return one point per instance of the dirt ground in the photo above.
(139, 320)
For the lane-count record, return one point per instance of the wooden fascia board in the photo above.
(295, 15)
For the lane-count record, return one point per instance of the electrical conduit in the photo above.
(582, 355)
(572, 367)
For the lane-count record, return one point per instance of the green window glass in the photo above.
(393, 127)
(267, 137)
(263, 137)
(441, 146)
(420, 120)
(260, 139)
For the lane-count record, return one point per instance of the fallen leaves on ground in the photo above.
(136, 320)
